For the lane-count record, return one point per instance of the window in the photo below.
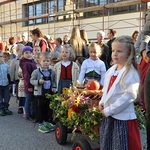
(103, 2)
(90, 3)
(60, 5)
(52, 8)
(80, 3)
(31, 13)
(38, 10)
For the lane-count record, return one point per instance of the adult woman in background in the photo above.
(77, 42)
(84, 36)
(38, 40)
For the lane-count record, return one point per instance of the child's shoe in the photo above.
(20, 110)
(7, 111)
(50, 126)
(14, 94)
(24, 115)
(2, 113)
(29, 119)
(54, 121)
(43, 129)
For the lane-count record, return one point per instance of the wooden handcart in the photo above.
(62, 129)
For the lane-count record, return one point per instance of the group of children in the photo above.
(36, 73)
(119, 129)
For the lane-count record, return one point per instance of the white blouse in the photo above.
(65, 63)
(89, 65)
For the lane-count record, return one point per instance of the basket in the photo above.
(94, 95)
(95, 102)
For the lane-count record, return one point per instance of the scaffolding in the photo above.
(13, 16)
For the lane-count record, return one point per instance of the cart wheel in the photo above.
(81, 144)
(60, 133)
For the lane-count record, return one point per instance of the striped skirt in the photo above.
(119, 135)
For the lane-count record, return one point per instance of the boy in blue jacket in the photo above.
(4, 87)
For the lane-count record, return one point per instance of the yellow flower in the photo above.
(77, 101)
(65, 91)
(70, 113)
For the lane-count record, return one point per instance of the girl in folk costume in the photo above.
(93, 67)
(119, 128)
(66, 70)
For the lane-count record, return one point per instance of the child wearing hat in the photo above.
(27, 64)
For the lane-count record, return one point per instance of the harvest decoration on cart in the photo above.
(77, 111)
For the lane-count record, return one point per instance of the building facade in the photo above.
(57, 17)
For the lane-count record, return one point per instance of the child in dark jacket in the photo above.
(43, 79)
(27, 64)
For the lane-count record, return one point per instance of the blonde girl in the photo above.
(119, 129)
(93, 67)
(66, 70)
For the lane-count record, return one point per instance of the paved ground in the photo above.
(18, 134)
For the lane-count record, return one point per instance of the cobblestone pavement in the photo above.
(18, 134)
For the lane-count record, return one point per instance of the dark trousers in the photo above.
(4, 96)
(17, 82)
(44, 113)
(147, 102)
